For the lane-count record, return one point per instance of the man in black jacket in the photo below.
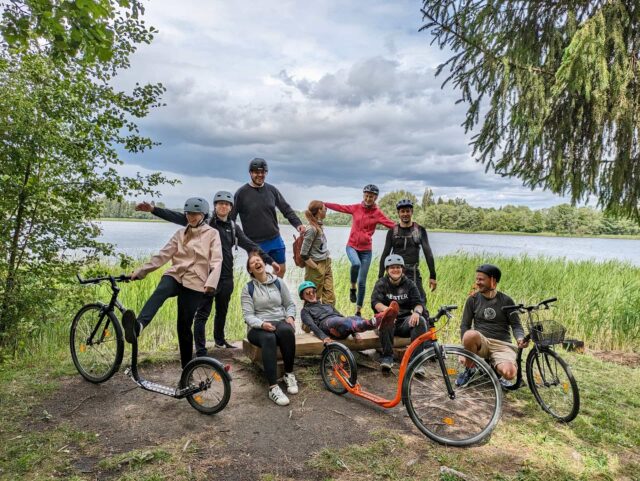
(231, 235)
(256, 203)
(411, 321)
(406, 239)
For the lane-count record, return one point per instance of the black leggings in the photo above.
(285, 337)
(222, 298)
(188, 302)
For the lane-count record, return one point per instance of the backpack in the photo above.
(416, 235)
(297, 248)
(251, 288)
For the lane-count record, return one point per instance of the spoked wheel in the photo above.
(337, 357)
(473, 412)
(553, 385)
(209, 375)
(96, 343)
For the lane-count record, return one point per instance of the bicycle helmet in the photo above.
(403, 203)
(371, 188)
(197, 204)
(224, 196)
(393, 260)
(490, 270)
(305, 285)
(258, 164)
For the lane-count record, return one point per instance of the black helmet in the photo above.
(197, 204)
(371, 188)
(224, 196)
(404, 203)
(490, 270)
(258, 164)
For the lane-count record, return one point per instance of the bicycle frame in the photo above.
(429, 336)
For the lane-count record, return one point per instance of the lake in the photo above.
(140, 239)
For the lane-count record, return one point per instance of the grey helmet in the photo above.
(371, 188)
(258, 164)
(224, 196)
(393, 260)
(197, 204)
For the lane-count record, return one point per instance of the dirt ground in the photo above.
(631, 359)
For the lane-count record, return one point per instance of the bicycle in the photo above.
(444, 412)
(548, 375)
(97, 347)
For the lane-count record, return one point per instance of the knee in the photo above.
(286, 331)
(470, 339)
(507, 370)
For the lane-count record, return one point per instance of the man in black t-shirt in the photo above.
(412, 315)
(406, 239)
(256, 203)
(486, 329)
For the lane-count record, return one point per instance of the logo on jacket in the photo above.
(489, 313)
(399, 297)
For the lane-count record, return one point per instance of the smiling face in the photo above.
(255, 265)
(309, 294)
(394, 272)
(194, 218)
(405, 214)
(258, 176)
(223, 208)
(369, 198)
(484, 283)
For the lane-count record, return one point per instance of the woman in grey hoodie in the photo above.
(269, 312)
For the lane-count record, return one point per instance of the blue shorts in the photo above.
(275, 248)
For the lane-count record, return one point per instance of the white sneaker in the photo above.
(278, 397)
(292, 384)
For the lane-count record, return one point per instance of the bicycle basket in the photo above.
(547, 332)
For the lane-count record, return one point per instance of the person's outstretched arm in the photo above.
(160, 259)
(384, 220)
(345, 209)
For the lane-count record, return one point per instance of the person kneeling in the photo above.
(326, 322)
(411, 321)
(269, 312)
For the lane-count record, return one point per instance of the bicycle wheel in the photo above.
(552, 384)
(209, 375)
(466, 419)
(96, 343)
(337, 356)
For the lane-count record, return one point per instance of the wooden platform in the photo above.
(309, 345)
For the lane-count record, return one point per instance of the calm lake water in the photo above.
(139, 239)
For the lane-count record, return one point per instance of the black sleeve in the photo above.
(170, 215)
(514, 320)
(249, 246)
(467, 316)
(415, 299)
(385, 252)
(307, 320)
(286, 209)
(428, 254)
(233, 215)
(378, 294)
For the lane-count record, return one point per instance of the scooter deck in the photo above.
(159, 388)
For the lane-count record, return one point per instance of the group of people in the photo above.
(201, 254)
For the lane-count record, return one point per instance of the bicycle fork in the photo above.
(441, 356)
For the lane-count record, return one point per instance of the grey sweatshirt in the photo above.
(314, 246)
(268, 303)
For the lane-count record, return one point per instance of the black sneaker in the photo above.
(465, 376)
(386, 363)
(132, 328)
(224, 345)
(352, 295)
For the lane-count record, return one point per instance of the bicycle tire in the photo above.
(558, 396)
(207, 371)
(337, 354)
(467, 419)
(96, 361)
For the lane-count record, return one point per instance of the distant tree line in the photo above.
(124, 210)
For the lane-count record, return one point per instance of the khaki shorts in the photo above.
(497, 351)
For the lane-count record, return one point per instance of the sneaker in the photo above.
(132, 328)
(387, 318)
(465, 376)
(224, 345)
(352, 295)
(358, 313)
(505, 383)
(291, 382)
(386, 363)
(278, 397)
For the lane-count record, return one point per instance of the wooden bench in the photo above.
(309, 345)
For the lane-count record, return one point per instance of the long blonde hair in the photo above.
(312, 211)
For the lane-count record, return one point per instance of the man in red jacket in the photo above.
(366, 216)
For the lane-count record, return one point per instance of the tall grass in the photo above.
(597, 302)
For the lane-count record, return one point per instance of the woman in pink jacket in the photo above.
(196, 257)
(366, 216)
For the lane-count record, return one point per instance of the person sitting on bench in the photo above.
(327, 323)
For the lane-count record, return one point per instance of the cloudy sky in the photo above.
(334, 94)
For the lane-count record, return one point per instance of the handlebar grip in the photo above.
(547, 301)
(450, 307)
(512, 308)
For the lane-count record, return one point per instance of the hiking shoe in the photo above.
(224, 345)
(352, 295)
(387, 318)
(386, 363)
(132, 328)
(291, 382)
(465, 376)
(505, 383)
(278, 397)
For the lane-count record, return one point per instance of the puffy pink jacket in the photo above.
(196, 264)
(365, 220)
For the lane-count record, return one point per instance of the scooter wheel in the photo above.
(337, 356)
(209, 376)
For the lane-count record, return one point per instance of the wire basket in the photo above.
(546, 332)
